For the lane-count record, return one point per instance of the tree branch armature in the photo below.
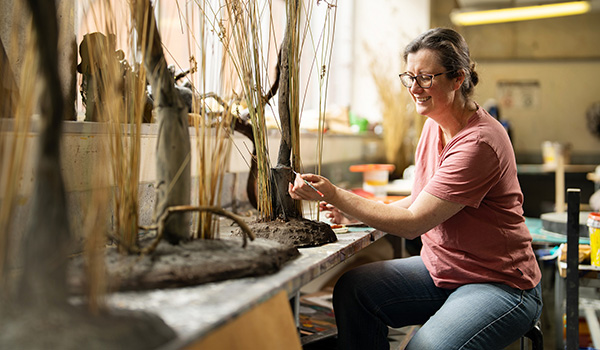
(160, 226)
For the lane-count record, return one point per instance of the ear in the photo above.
(459, 79)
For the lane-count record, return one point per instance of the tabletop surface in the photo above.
(543, 236)
(195, 311)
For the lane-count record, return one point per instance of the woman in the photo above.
(476, 283)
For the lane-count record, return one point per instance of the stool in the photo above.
(536, 336)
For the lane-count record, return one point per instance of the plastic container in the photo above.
(593, 224)
(551, 151)
(375, 177)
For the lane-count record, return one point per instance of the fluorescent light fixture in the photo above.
(520, 13)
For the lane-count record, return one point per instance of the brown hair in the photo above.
(453, 53)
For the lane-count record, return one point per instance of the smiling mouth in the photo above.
(423, 99)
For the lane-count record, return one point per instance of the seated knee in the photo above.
(347, 286)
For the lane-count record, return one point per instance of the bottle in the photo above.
(593, 224)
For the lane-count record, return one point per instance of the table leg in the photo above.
(559, 299)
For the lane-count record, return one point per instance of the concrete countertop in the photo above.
(193, 312)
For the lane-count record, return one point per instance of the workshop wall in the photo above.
(544, 74)
(554, 108)
(83, 145)
(13, 31)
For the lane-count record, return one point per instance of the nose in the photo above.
(416, 87)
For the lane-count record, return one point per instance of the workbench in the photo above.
(199, 311)
(195, 312)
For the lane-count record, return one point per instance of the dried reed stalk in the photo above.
(245, 44)
(213, 117)
(115, 177)
(322, 60)
(213, 145)
(326, 41)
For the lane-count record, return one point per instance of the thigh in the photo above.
(480, 316)
(399, 292)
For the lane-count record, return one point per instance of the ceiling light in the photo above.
(520, 13)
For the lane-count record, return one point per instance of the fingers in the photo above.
(335, 217)
(324, 206)
(299, 190)
(291, 191)
(331, 212)
(311, 177)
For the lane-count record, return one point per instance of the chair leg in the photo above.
(536, 336)
(522, 343)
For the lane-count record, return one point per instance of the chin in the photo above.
(422, 110)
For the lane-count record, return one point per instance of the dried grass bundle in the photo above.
(245, 48)
(212, 116)
(401, 125)
(119, 99)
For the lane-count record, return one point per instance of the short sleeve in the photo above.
(467, 170)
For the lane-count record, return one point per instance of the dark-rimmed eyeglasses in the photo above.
(423, 80)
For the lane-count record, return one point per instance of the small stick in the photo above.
(309, 184)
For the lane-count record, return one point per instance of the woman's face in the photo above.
(438, 98)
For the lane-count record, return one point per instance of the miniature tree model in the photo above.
(173, 147)
(275, 206)
(174, 257)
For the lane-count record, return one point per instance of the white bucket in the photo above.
(376, 182)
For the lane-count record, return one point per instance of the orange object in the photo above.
(375, 177)
(369, 195)
(371, 167)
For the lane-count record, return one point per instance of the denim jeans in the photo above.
(401, 292)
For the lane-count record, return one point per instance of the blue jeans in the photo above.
(401, 292)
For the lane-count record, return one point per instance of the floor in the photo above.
(398, 340)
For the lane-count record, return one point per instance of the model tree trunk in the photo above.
(173, 147)
(47, 236)
(284, 206)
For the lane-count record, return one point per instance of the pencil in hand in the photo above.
(309, 184)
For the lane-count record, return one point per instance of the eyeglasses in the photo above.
(423, 80)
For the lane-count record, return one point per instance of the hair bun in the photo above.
(474, 75)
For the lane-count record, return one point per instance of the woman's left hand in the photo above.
(335, 215)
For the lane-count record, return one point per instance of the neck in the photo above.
(458, 119)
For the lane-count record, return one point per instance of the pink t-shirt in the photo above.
(487, 241)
